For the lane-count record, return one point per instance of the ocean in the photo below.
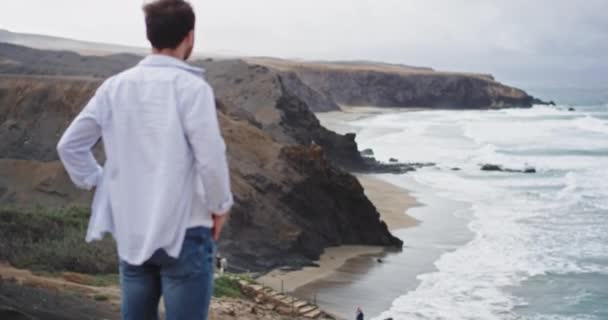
(514, 245)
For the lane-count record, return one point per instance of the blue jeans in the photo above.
(186, 283)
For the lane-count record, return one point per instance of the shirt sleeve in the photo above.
(75, 146)
(203, 133)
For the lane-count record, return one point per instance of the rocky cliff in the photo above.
(265, 97)
(385, 85)
(291, 201)
(16, 59)
(293, 198)
(322, 86)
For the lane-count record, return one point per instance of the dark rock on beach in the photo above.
(494, 167)
(491, 167)
(374, 166)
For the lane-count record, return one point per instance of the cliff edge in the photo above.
(397, 86)
(291, 200)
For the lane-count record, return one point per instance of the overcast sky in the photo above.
(514, 39)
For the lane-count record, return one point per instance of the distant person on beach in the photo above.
(164, 191)
(360, 315)
(221, 264)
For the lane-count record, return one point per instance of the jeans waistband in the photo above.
(203, 232)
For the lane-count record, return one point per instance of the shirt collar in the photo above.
(160, 60)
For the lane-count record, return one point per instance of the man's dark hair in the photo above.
(168, 22)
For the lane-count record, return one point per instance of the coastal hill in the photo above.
(294, 197)
(322, 85)
(294, 193)
(45, 42)
(398, 86)
(293, 200)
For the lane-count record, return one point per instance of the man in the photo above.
(164, 191)
(360, 315)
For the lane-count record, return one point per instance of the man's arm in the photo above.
(203, 133)
(75, 146)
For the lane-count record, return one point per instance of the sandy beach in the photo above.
(392, 203)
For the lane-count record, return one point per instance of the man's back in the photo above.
(163, 146)
(150, 170)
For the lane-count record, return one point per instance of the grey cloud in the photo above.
(517, 38)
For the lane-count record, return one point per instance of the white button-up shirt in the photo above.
(165, 169)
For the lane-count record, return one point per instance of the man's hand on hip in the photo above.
(218, 225)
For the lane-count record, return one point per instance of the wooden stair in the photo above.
(283, 303)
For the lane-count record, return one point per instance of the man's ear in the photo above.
(190, 38)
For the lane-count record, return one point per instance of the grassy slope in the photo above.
(53, 241)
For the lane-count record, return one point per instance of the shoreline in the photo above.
(391, 201)
(343, 121)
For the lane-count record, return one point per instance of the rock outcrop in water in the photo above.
(499, 168)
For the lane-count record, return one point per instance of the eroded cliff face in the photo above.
(399, 86)
(265, 97)
(293, 199)
(34, 111)
(291, 202)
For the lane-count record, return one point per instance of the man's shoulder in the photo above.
(190, 79)
(117, 78)
(180, 77)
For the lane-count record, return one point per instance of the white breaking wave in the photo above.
(524, 225)
(593, 124)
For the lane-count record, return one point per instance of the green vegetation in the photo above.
(245, 277)
(97, 280)
(101, 297)
(226, 286)
(52, 240)
(105, 280)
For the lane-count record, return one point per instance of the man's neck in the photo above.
(174, 53)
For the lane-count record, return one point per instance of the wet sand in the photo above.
(392, 203)
(332, 259)
(374, 285)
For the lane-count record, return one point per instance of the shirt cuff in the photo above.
(93, 180)
(223, 208)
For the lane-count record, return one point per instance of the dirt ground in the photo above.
(27, 296)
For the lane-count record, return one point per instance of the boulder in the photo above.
(491, 167)
(367, 153)
(494, 167)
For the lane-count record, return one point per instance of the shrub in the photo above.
(227, 287)
(53, 240)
